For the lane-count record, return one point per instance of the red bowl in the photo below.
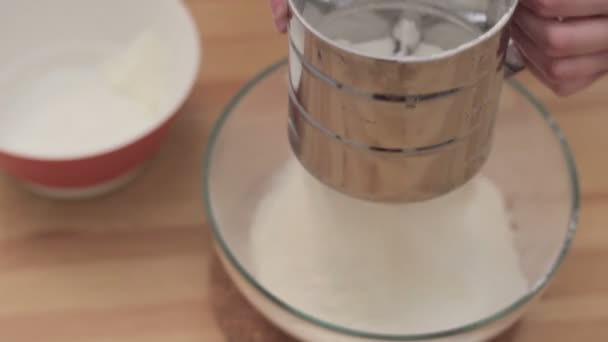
(99, 171)
(88, 176)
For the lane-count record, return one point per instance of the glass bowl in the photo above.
(530, 162)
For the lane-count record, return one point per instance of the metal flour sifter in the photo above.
(396, 128)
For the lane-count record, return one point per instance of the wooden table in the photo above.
(138, 265)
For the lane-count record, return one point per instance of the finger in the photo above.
(562, 89)
(568, 38)
(280, 14)
(568, 89)
(566, 8)
(560, 69)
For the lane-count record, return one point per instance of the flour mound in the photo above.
(396, 269)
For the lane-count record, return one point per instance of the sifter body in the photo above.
(395, 129)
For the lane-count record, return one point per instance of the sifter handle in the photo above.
(514, 60)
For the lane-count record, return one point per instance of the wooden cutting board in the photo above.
(138, 265)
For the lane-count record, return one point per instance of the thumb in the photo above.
(280, 14)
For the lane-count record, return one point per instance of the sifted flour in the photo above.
(395, 269)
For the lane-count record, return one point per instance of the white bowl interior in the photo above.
(33, 32)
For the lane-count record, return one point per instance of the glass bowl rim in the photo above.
(250, 279)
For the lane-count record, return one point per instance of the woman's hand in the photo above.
(280, 14)
(565, 42)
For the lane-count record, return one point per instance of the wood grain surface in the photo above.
(138, 265)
